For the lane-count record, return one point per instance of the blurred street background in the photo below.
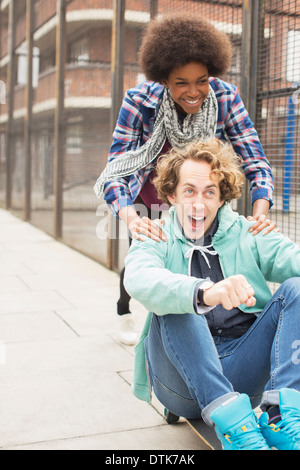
(64, 69)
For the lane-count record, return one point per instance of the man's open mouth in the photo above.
(196, 222)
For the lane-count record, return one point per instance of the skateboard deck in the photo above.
(206, 433)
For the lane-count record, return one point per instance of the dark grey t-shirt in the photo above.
(229, 323)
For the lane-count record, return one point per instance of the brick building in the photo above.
(87, 77)
(266, 42)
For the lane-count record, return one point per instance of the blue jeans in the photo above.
(189, 369)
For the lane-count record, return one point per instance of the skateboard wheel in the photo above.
(170, 417)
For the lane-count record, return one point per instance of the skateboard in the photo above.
(206, 433)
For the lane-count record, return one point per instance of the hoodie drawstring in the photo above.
(203, 250)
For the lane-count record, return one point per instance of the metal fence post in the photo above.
(153, 8)
(59, 117)
(117, 72)
(252, 10)
(10, 100)
(28, 108)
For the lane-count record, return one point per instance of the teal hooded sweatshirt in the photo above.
(157, 273)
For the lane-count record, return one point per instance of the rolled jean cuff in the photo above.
(269, 398)
(207, 411)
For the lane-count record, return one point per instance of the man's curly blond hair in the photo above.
(225, 165)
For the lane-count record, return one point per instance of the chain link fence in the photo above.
(64, 68)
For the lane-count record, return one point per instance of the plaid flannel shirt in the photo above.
(135, 126)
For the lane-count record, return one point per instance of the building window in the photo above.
(80, 53)
(236, 58)
(2, 92)
(22, 65)
(74, 141)
(293, 54)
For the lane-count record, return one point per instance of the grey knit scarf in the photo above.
(199, 126)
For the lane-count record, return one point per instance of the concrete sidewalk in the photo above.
(64, 379)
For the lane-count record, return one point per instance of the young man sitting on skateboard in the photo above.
(217, 336)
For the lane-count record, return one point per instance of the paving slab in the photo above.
(64, 378)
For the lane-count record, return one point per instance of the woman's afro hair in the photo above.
(175, 40)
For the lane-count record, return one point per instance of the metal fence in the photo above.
(64, 68)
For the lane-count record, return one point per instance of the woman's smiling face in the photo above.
(189, 87)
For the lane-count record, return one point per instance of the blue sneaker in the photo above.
(236, 425)
(285, 434)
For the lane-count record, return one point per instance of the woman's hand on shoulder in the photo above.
(262, 223)
(141, 227)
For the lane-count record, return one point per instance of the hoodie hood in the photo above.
(227, 218)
